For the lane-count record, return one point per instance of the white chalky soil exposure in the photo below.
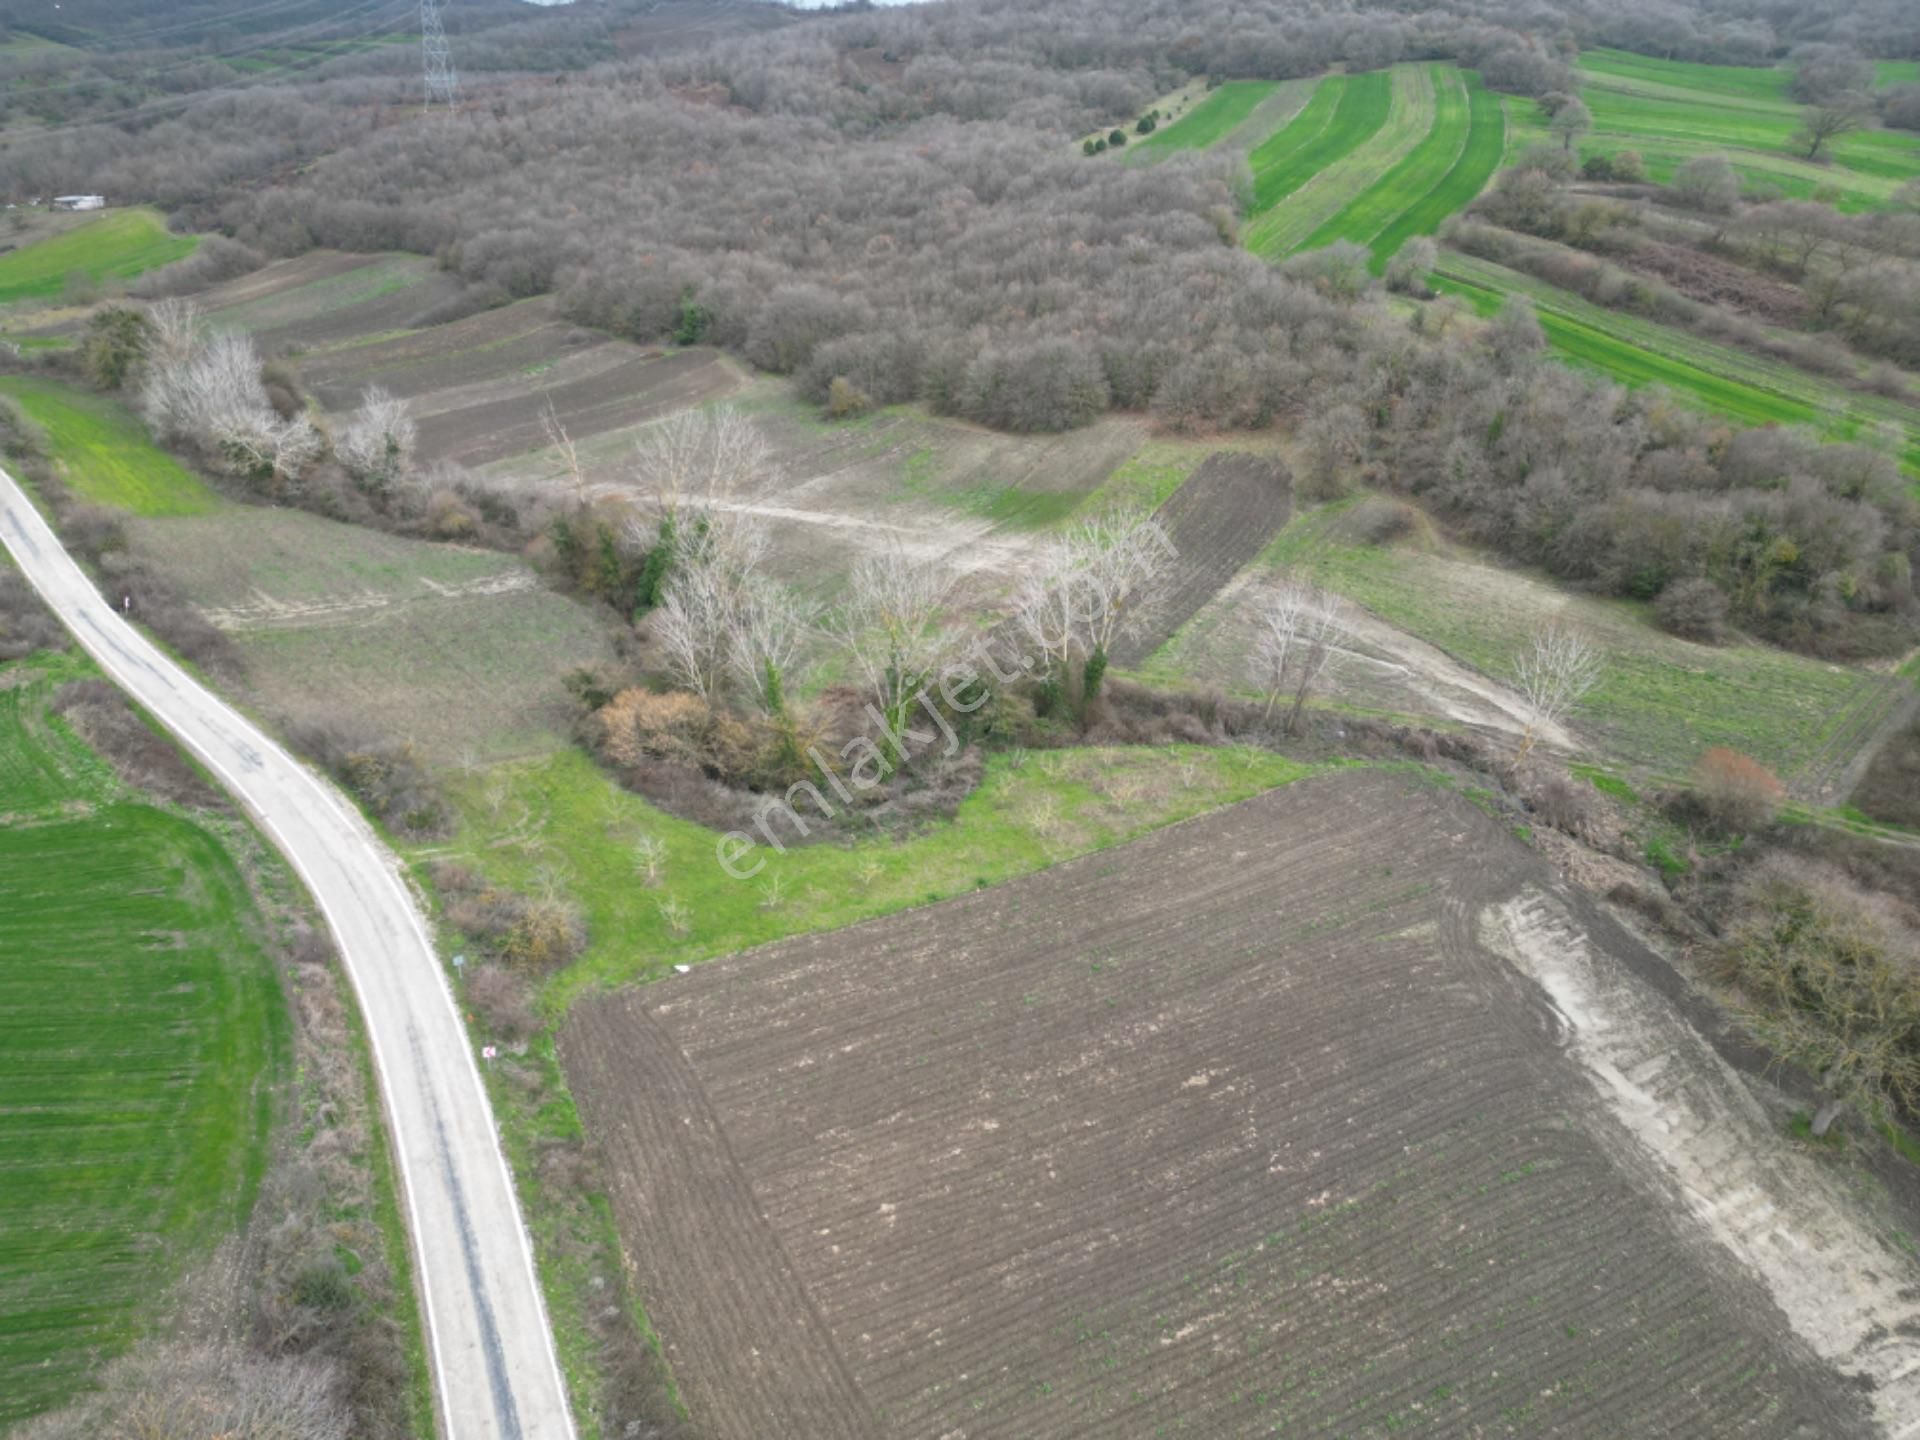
(1845, 1292)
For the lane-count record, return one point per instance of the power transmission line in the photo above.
(442, 83)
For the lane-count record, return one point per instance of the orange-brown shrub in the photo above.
(1737, 792)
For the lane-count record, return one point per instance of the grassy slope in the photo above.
(1670, 110)
(141, 1036)
(1209, 122)
(1029, 813)
(1662, 701)
(105, 451)
(1381, 118)
(1716, 377)
(117, 246)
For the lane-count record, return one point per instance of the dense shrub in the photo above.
(1833, 975)
(1694, 609)
(387, 776)
(1737, 793)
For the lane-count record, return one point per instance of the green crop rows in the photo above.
(117, 246)
(105, 453)
(141, 1035)
(1376, 159)
(1212, 120)
(1712, 376)
(1344, 111)
(1326, 195)
(1461, 149)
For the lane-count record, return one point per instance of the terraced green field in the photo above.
(1670, 111)
(142, 1034)
(104, 453)
(1209, 122)
(117, 246)
(1440, 175)
(1381, 118)
(1344, 111)
(1712, 376)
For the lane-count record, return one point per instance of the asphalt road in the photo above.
(491, 1350)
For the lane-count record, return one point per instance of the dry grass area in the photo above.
(1248, 1128)
(460, 651)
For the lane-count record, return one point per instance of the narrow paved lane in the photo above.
(491, 1349)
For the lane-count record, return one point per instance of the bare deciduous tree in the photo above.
(1100, 580)
(893, 625)
(562, 442)
(769, 626)
(700, 459)
(1301, 636)
(377, 445)
(206, 391)
(1556, 670)
(1828, 121)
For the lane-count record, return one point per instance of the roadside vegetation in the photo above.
(203, 1211)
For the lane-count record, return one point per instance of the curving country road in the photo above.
(492, 1352)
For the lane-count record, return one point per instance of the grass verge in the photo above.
(104, 453)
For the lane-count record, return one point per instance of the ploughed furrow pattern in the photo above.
(1221, 518)
(1356, 157)
(1238, 1130)
(681, 1195)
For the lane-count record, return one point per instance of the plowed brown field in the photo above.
(1221, 518)
(1239, 1130)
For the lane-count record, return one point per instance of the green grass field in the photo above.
(142, 1035)
(1662, 700)
(104, 451)
(1211, 121)
(117, 246)
(1672, 110)
(1720, 378)
(565, 813)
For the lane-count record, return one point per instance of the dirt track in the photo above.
(1239, 1130)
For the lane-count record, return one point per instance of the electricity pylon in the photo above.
(442, 83)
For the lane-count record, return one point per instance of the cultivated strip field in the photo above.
(116, 246)
(1440, 175)
(1344, 111)
(1294, 1153)
(1364, 140)
(1353, 172)
(141, 1038)
(1705, 373)
(460, 651)
(325, 297)
(1209, 122)
(1219, 520)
